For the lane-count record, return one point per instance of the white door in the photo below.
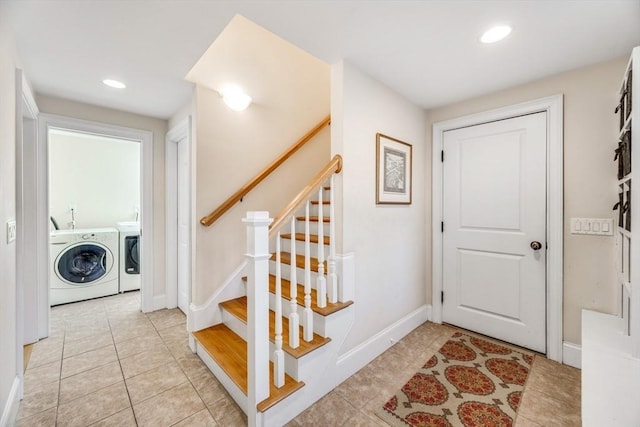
(183, 237)
(494, 212)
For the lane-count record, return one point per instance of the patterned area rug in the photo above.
(469, 382)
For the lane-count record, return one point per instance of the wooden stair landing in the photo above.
(238, 307)
(230, 353)
(286, 294)
(285, 258)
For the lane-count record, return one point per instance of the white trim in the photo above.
(572, 354)
(179, 134)
(208, 314)
(353, 360)
(159, 302)
(429, 312)
(10, 410)
(48, 121)
(553, 107)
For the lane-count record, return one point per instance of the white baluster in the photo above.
(321, 281)
(294, 321)
(307, 313)
(333, 277)
(278, 354)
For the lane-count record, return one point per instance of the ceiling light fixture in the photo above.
(235, 98)
(495, 34)
(114, 83)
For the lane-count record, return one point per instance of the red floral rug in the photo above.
(469, 382)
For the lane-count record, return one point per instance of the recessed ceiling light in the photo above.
(114, 83)
(235, 97)
(495, 34)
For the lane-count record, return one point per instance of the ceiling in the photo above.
(426, 50)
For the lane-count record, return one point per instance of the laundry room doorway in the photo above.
(99, 198)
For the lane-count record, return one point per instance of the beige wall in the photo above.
(8, 367)
(158, 127)
(387, 240)
(231, 148)
(590, 134)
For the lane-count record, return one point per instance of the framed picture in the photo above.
(393, 171)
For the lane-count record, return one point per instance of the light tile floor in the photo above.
(108, 364)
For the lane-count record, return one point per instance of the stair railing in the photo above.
(258, 277)
(245, 189)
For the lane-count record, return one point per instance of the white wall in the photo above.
(99, 176)
(387, 240)
(590, 135)
(7, 212)
(158, 127)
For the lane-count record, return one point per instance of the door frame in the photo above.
(145, 138)
(179, 134)
(553, 106)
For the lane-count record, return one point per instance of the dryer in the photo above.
(129, 255)
(84, 264)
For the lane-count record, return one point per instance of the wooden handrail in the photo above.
(334, 166)
(238, 195)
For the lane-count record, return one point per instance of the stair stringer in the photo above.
(320, 374)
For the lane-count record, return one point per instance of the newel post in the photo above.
(258, 311)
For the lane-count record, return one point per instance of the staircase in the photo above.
(280, 363)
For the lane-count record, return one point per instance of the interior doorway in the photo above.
(553, 177)
(83, 256)
(178, 216)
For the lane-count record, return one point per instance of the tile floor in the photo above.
(108, 364)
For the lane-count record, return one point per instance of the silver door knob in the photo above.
(535, 245)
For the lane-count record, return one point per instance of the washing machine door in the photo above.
(132, 255)
(84, 263)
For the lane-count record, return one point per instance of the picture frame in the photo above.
(393, 171)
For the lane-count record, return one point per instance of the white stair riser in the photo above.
(313, 227)
(285, 246)
(235, 324)
(318, 319)
(286, 273)
(238, 396)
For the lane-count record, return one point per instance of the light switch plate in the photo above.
(11, 231)
(592, 226)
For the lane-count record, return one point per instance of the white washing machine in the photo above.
(84, 264)
(129, 255)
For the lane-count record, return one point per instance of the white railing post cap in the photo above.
(258, 217)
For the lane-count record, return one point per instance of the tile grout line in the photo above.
(124, 380)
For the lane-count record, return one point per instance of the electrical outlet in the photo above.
(11, 231)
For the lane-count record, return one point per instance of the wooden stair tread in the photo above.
(230, 353)
(285, 258)
(238, 307)
(324, 202)
(313, 218)
(286, 294)
(313, 238)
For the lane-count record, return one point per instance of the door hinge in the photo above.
(442, 297)
(442, 226)
(442, 155)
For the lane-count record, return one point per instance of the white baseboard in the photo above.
(356, 358)
(10, 410)
(572, 354)
(159, 302)
(208, 314)
(429, 313)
